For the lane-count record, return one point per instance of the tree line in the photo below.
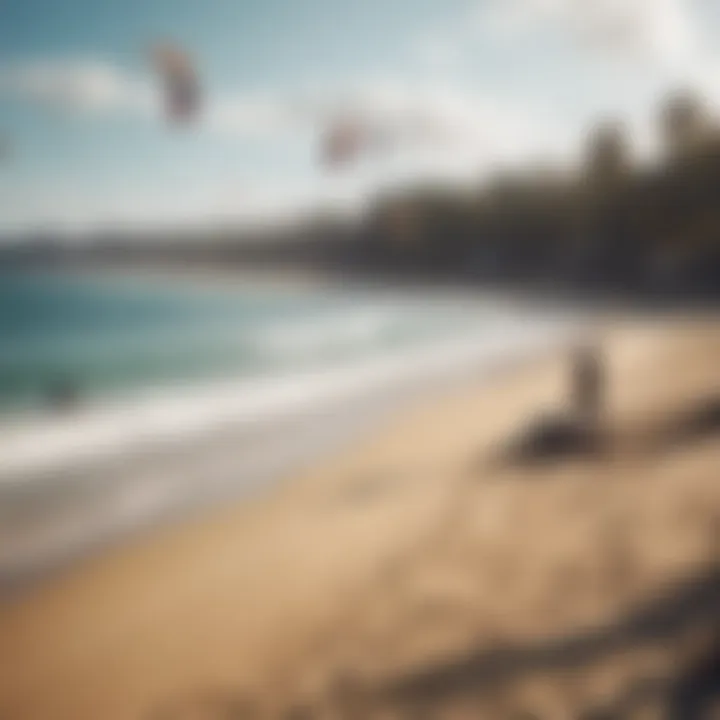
(611, 222)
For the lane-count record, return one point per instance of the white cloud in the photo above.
(95, 87)
(439, 117)
(77, 86)
(404, 113)
(410, 116)
(266, 114)
(662, 32)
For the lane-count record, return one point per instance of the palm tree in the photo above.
(607, 156)
(684, 122)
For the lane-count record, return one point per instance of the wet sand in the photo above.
(418, 571)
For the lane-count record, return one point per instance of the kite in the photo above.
(182, 93)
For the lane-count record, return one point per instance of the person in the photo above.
(588, 386)
(63, 394)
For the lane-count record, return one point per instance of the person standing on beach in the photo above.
(588, 386)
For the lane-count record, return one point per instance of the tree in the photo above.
(684, 122)
(607, 156)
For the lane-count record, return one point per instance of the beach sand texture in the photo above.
(420, 574)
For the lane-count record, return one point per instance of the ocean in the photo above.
(189, 395)
(106, 336)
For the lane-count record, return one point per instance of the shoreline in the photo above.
(119, 425)
(83, 494)
(606, 297)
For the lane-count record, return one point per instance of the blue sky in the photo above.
(505, 81)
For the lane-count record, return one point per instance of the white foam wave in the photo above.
(45, 446)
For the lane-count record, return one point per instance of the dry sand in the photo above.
(419, 575)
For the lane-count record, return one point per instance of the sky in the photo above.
(84, 144)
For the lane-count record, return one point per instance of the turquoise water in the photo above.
(109, 335)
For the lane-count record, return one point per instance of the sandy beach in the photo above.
(419, 572)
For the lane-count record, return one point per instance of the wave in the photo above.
(42, 446)
(109, 362)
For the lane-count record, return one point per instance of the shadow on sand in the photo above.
(687, 608)
(700, 421)
(691, 606)
(551, 438)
